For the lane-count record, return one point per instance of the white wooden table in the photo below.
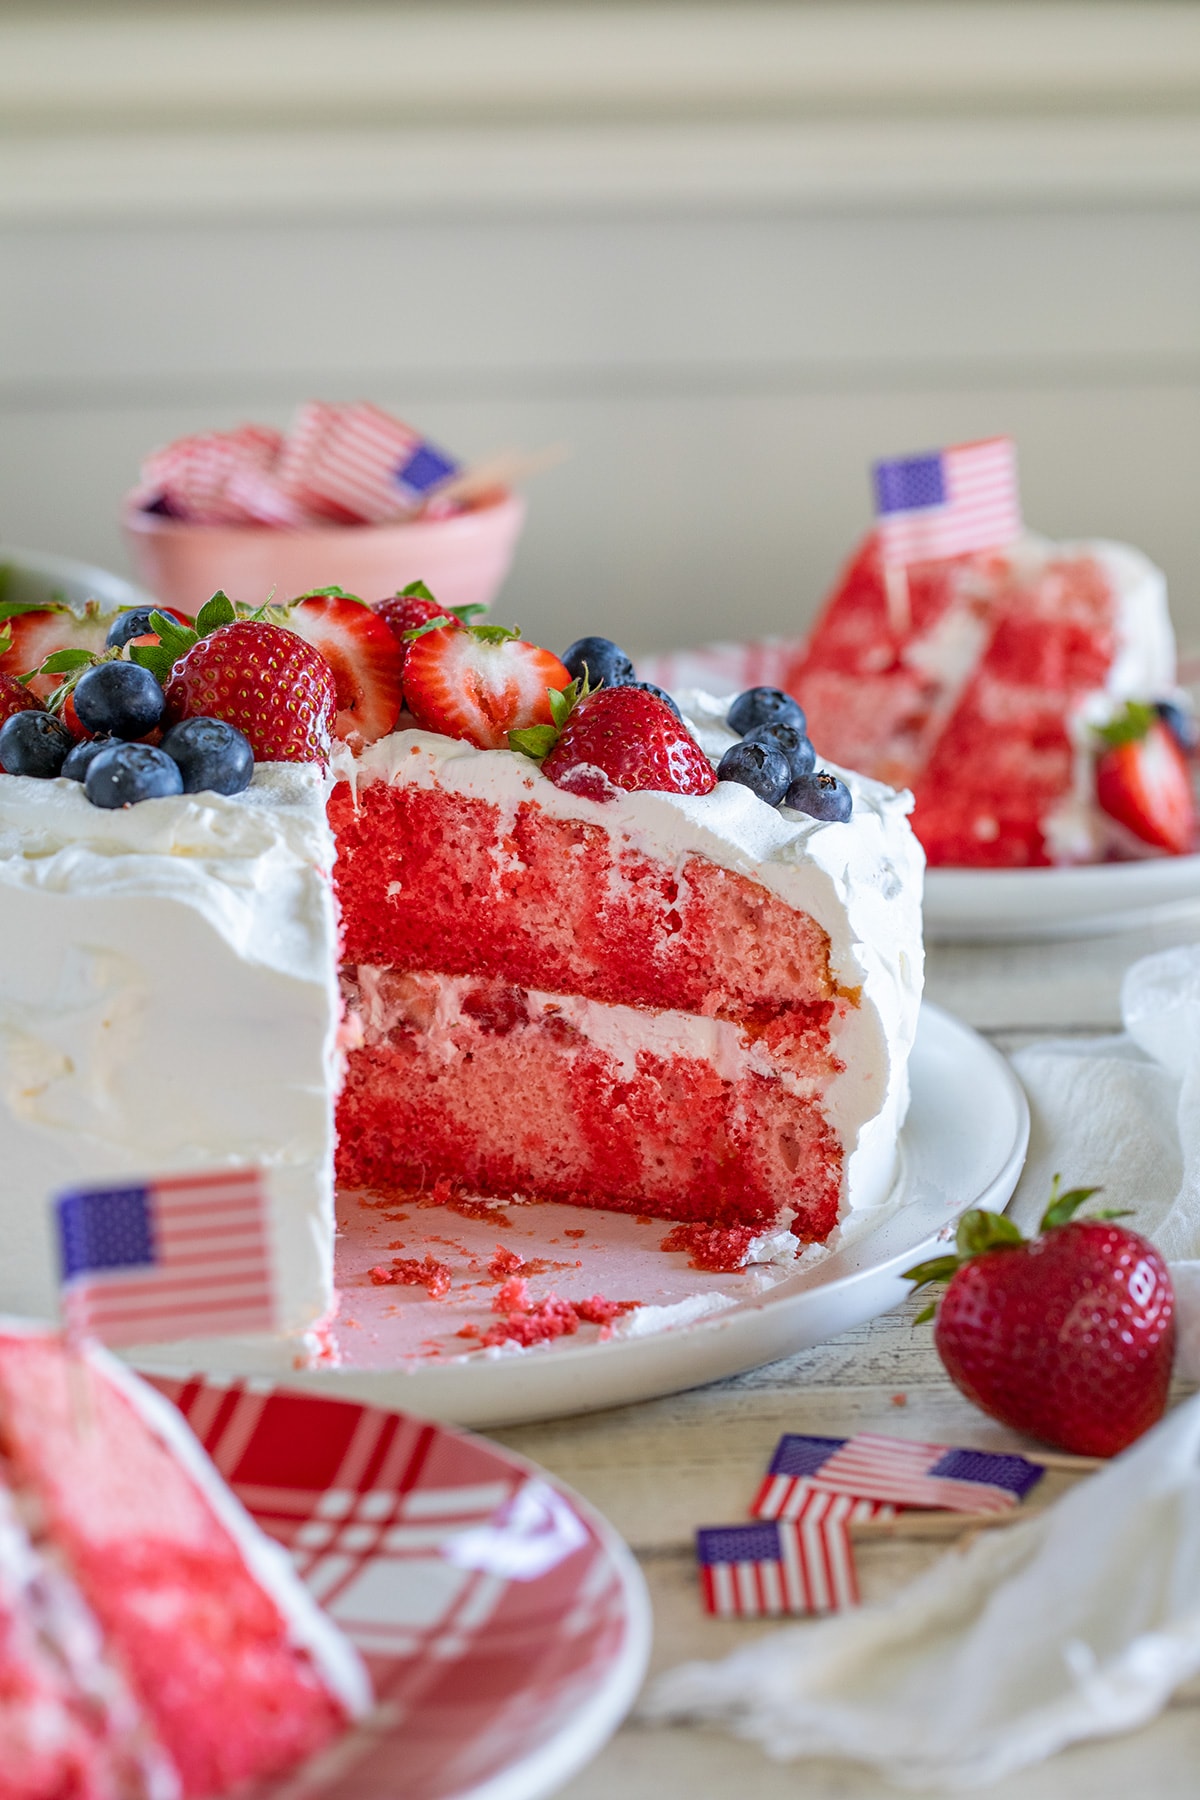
(660, 1469)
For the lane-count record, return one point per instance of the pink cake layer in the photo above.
(205, 1648)
(508, 1103)
(432, 880)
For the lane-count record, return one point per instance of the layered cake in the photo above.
(540, 952)
(154, 1645)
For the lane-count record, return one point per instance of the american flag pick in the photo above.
(358, 463)
(182, 1256)
(948, 503)
(782, 1565)
(893, 1470)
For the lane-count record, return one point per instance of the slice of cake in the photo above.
(154, 1645)
(574, 964)
(982, 689)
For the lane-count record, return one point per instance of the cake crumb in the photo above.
(505, 1263)
(573, 1231)
(899, 1399)
(720, 1249)
(405, 1271)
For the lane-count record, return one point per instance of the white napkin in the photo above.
(1078, 1623)
(1124, 1113)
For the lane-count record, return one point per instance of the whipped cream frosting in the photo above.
(861, 881)
(168, 1001)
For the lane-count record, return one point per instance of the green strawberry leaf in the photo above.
(439, 624)
(563, 701)
(980, 1231)
(938, 1268)
(926, 1313)
(154, 657)
(534, 740)
(60, 661)
(13, 609)
(464, 614)
(216, 612)
(1129, 727)
(416, 590)
(1063, 1207)
(495, 634)
(331, 593)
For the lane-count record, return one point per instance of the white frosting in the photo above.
(861, 882)
(168, 1001)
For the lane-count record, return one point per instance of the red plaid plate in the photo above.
(505, 1625)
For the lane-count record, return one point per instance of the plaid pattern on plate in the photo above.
(488, 1608)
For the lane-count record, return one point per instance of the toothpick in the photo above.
(1058, 1459)
(502, 470)
(940, 1524)
(899, 604)
(79, 1386)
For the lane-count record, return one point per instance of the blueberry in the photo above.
(120, 698)
(820, 795)
(601, 660)
(127, 773)
(135, 622)
(213, 756)
(801, 756)
(760, 767)
(648, 687)
(764, 706)
(80, 759)
(34, 743)
(1181, 722)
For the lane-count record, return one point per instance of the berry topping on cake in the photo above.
(479, 682)
(264, 679)
(598, 661)
(118, 698)
(1143, 781)
(796, 747)
(366, 660)
(34, 743)
(1068, 1336)
(125, 774)
(82, 755)
(760, 767)
(213, 756)
(624, 738)
(822, 796)
(134, 622)
(15, 697)
(29, 634)
(764, 706)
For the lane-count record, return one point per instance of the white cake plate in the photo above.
(965, 904)
(963, 1145)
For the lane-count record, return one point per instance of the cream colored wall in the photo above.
(728, 254)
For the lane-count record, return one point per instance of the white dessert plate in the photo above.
(1024, 903)
(505, 1625)
(963, 1145)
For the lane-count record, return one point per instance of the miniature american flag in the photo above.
(184, 1256)
(358, 463)
(782, 1566)
(893, 1470)
(949, 502)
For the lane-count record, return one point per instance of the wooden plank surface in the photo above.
(661, 1469)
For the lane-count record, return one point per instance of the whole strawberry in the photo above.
(408, 610)
(15, 698)
(264, 679)
(625, 738)
(1068, 1337)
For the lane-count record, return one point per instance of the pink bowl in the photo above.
(463, 558)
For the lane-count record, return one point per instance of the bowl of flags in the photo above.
(348, 496)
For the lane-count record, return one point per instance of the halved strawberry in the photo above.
(1143, 781)
(479, 682)
(37, 632)
(366, 659)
